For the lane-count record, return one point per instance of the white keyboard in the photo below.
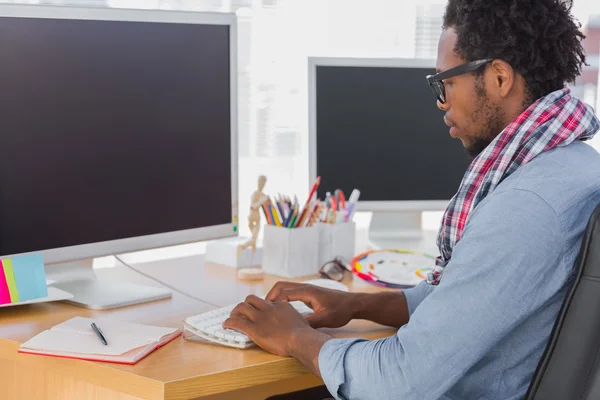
(209, 326)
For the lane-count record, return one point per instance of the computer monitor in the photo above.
(374, 125)
(118, 134)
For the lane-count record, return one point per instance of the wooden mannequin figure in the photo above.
(256, 201)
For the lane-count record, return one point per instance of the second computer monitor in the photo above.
(375, 126)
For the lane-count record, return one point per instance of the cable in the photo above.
(163, 283)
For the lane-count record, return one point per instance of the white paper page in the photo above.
(114, 329)
(73, 342)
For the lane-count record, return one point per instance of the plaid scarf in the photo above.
(552, 121)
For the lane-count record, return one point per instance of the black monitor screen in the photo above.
(378, 129)
(111, 130)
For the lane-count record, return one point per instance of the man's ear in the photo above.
(503, 76)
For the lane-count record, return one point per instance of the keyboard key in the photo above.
(212, 329)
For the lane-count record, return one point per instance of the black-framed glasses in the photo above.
(436, 82)
(334, 269)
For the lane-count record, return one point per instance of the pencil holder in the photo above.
(290, 252)
(336, 240)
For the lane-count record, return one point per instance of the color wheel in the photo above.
(392, 268)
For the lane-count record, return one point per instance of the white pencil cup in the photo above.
(336, 240)
(290, 252)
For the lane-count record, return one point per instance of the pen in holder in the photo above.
(291, 253)
(299, 239)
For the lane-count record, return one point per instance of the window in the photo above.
(428, 29)
(589, 81)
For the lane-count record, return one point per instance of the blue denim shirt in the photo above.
(481, 333)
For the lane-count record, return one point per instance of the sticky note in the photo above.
(4, 293)
(30, 276)
(22, 278)
(10, 280)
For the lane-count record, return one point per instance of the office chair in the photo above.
(315, 393)
(570, 366)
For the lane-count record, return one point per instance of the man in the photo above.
(509, 238)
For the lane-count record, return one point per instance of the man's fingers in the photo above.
(245, 310)
(304, 294)
(275, 292)
(239, 323)
(315, 320)
(257, 302)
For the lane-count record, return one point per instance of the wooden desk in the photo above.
(180, 370)
(219, 285)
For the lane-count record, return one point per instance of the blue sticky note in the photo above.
(30, 276)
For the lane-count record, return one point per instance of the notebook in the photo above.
(127, 342)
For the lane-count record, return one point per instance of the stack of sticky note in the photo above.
(22, 278)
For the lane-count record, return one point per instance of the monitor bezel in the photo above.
(313, 63)
(132, 244)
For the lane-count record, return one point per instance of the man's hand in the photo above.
(279, 329)
(272, 326)
(332, 308)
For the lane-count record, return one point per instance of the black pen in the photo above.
(99, 333)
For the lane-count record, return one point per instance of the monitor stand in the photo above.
(79, 279)
(390, 229)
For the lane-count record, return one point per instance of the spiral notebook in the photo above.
(127, 342)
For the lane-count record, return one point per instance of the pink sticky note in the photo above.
(4, 292)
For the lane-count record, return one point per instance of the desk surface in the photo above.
(181, 369)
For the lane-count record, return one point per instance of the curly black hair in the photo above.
(539, 38)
